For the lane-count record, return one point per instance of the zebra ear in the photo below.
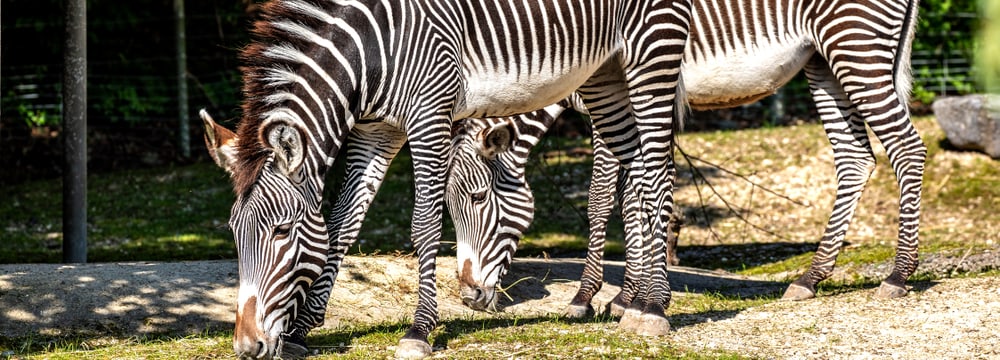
(496, 139)
(287, 142)
(221, 143)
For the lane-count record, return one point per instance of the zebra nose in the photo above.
(478, 298)
(256, 350)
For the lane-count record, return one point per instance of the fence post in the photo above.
(778, 106)
(75, 134)
(182, 90)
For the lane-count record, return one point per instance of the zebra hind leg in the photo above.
(854, 163)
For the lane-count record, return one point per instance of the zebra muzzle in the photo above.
(479, 298)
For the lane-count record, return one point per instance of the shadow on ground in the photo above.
(130, 299)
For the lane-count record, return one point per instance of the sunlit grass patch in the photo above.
(206, 345)
(506, 337)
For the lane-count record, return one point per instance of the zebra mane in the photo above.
(259, 83)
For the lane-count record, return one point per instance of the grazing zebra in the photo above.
(402, 71)
(856, 57)
(486, 180)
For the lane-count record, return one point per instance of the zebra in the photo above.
(856, 58)
(383, 72)
(486, 180)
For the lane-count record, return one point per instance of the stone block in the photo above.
(971, 122)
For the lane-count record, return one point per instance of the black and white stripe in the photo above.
(856, 57)
(389, 71)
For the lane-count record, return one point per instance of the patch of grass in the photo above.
(176, 213)
(207, 345)
(506, 337)
(499, 337)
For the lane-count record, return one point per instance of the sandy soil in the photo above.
(952, 318)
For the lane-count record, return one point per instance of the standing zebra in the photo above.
(856, 57)
(385, 72)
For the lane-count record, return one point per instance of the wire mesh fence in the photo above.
(132, 84)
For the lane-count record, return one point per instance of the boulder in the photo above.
(971, 122)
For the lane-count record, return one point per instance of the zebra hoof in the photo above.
(616, 310)
(889, 291)
(577, 311)
(293, 345)
(652, 325)
(292, 351)
(631, 320)
(797, 292)
(413, 349)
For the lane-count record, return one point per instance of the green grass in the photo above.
(477, 337)
(173, 213)
(500, 337)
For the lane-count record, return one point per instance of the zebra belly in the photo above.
(504, 94)
(741, 77)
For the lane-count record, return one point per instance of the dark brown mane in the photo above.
(252, 152)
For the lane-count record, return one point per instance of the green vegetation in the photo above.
(500, 337)
(988, 41)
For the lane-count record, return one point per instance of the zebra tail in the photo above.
(902, 71)
(681, 106)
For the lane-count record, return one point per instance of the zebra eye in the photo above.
(281, 231)
(479, 196)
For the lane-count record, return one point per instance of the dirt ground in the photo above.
(952, 318)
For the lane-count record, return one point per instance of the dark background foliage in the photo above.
(132, 81)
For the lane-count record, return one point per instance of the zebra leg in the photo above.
(635, 266)
(631, 313)
(634, 261)
(854, 164)
(370, 149)
(674, 235)
(429, 146)
(872, 65)
(907, 155)
(606, 98)
(652, 61)
(600, 202)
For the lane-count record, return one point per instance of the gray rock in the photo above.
(971, 122)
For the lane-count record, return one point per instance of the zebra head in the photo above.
(281, 238)
(489, 199)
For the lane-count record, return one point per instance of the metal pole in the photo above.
(182, 90)
(778, 106)
(75, 134)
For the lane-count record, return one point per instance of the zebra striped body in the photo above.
(856, 57)
(403, 70)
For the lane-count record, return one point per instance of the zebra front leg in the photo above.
(370, 149)
(606, 97)
(652, 62)
(853, 162)
(429, 149)
(635, 261)
(600, 202)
